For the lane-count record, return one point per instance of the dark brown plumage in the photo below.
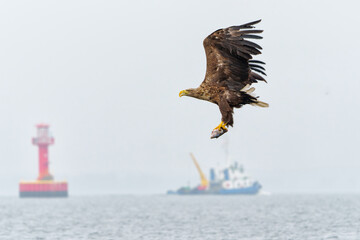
(230, 71)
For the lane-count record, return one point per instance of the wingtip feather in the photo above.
(251, 23)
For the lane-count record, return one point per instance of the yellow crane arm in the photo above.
(204, 181)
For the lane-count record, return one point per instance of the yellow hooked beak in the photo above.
(183, 93)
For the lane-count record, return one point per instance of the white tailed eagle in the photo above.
(230, 71)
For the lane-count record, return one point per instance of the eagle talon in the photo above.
(219, 130)
(222, 125)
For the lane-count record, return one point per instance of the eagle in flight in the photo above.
(230, 70)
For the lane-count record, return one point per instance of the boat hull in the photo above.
(251, 190)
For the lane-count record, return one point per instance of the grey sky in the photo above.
(106, 75)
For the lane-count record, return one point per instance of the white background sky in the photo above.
(106, 76)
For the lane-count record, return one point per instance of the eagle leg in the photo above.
(226, 118)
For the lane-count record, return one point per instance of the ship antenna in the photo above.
(226, 149)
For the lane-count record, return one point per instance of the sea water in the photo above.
(165, 217)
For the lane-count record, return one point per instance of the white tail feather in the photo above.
(260, 104)
(245, 88)
(250, 90)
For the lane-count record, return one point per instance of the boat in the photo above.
(230, 180)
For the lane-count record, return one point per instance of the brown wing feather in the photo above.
(229, 54)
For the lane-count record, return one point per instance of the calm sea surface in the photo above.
(182, 217)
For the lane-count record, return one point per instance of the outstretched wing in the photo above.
(229, 54)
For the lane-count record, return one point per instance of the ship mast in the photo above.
(226, 148)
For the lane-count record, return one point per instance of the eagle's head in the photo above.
(183, 93)
(191, 92)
